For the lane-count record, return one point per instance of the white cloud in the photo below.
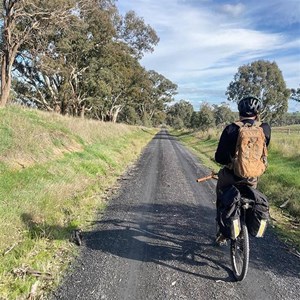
(201, 46)
(234, 10)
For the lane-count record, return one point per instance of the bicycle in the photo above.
(239, 245)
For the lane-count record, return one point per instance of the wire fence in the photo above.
(286, 130)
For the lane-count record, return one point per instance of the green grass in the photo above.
(54, 174)
(203, 144)
(281, 182)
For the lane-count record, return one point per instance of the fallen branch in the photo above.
(9, 249)
(44, 275)
(22, 271)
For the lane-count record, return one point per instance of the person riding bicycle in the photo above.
(249, 108)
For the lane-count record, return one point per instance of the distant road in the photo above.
(156, 241)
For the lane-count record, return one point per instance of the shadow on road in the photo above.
(175, 236)
(180, 237)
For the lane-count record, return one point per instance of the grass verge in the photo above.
(54, 175)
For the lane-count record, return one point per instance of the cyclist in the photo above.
(249, 108)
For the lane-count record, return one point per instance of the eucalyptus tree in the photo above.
(223, 114)
(147, 92)
(59, 74)
(50, 72)
(182, 110)
(115, 81)
(23, 21)
(139, 36)
(206, 118)
(158, 92)
(90, 65)
(262, 79)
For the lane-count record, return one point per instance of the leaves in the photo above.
(295, 94)
(82, 58)
(262, 79)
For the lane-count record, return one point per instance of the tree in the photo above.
(195, 122)
(262, 79)
(182, 110)
(223, 114)
(206, 117)
(134, 32)
(292, 118)
(62, 77)
(295, 94)
(156, 91)
(130, 116)
(89, 67)
(25, 20)
(118, 80)
(177, 123)
(159, 118)
(51, 70)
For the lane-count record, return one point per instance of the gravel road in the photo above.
(156, 241)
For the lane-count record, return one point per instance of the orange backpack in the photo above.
(251, 153)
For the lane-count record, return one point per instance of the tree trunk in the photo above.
(5, 90)
(5, 78)
(82, 111)
(114, 112)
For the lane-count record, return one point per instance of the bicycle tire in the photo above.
(239, 253)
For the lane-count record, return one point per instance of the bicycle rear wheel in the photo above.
(239, 253)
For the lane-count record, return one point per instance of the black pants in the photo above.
(226, 178)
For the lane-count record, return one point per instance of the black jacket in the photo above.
(227, 143)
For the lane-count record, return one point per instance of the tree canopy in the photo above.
(79, 58)
(179, 115)
(262, 79)
(223, 114)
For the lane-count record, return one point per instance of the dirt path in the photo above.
(156, 241)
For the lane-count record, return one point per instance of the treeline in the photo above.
(262, 79)
(182, 115)
(80, 58)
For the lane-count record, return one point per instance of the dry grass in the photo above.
(29, 143)
(287, 144)
(54, 171)
(90, 131)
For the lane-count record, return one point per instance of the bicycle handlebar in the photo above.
(211, 176)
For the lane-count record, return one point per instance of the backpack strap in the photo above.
(241, 124)
(257, 123)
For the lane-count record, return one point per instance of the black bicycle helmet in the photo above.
(249, 106)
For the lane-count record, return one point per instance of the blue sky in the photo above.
(203, 42)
